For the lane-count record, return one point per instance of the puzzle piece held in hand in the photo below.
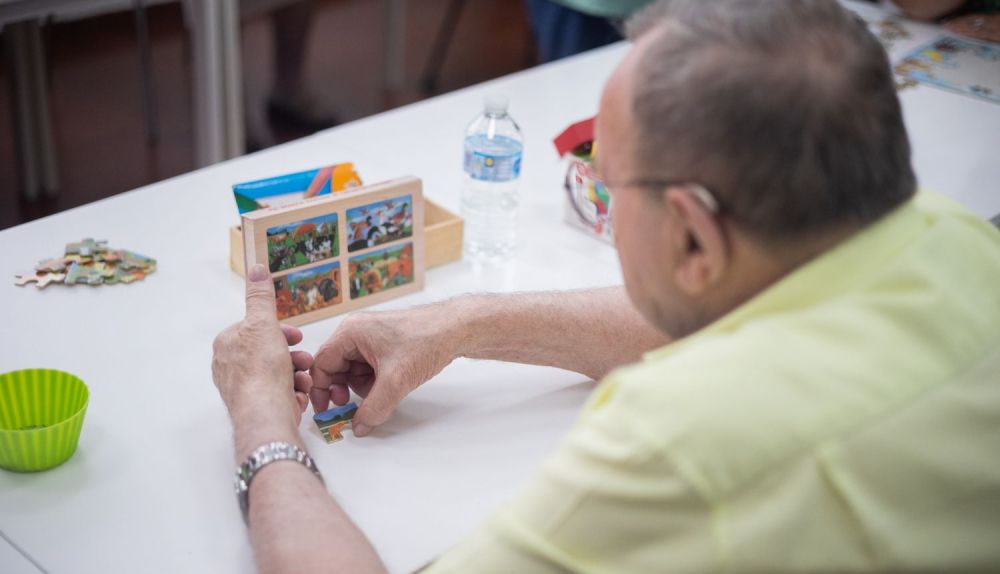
(331, 422)
(333, 433)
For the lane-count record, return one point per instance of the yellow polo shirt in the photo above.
(845, 419)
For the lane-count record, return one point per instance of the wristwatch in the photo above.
(261, 457)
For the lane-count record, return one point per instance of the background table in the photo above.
(150, 488)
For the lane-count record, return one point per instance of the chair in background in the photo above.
(26, 60)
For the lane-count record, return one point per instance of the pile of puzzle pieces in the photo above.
(332, 422)
(92, 263)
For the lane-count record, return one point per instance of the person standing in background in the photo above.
(291, 101)
(291, 105)
(566, 27)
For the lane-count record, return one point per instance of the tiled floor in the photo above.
(96, 100)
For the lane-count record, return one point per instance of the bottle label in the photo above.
(487, 166)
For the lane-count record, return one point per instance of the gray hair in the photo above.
(785, 109)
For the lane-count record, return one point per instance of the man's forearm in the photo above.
(590, 332)
(295, 525)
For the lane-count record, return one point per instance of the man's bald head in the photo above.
(785, 109)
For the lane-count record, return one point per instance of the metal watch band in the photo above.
(262, 456)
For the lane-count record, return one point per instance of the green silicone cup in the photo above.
(41, 414)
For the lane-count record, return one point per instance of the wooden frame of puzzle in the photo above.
(340, 252)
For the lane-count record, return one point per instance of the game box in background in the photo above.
(293, 187)
(587, 203)
(443, 232)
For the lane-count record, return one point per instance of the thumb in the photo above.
(260, 293)
(378, 405)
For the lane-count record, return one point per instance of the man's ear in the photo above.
(698, 240)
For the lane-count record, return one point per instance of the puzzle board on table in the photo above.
(956, 64)
(340, 252)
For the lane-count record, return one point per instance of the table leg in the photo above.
(218, 106)
(394, 72)
(30, 106)
(150, 106)
(232, 52)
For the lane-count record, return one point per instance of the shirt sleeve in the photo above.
(603, 503)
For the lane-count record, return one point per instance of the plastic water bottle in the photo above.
(493, 146)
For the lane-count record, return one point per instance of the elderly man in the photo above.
(823, 392)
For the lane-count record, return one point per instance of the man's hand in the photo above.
(383, 357)
(291, 513)
(252, 366)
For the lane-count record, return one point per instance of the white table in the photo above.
(149, 489)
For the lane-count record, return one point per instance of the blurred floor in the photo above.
(96, 102)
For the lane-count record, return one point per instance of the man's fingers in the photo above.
(340, 395)
(344, 382)
(385, 394)
(260, 294)
(303, 382)
(301, 360)
(293, 336)
(320, 397)
(331, 363)
(302, 400)
(323, 371)
(359, 368)
(361, 386)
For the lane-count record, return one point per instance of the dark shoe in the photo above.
(303, 114)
